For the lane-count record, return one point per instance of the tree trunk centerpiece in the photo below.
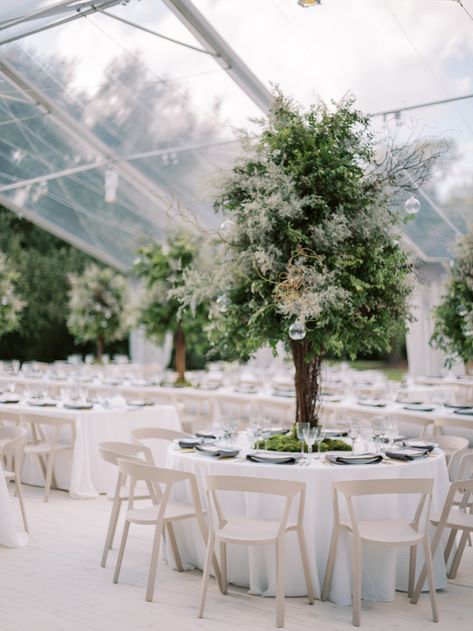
(309, 252)
(307, 381)
(180, 347)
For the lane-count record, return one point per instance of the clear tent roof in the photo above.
(83, 93)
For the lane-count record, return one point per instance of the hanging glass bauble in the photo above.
(461, 311)
(223, 302)
(297, 331)
(412, 205)
(4, 301)
(227, 227)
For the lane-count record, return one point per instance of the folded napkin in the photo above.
(464, 412)
(372, 404)
(271, 459)
(454, 406)
(206, 435)
(407, 453)
(9, 400)
(409, 402)
(420, 444)
(355, 459)
(43, 403)
(419, 408)
(217, 452)
(189, 443)
(78, 406)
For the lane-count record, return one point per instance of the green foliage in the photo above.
(10, 304)
(42, 262)
(309, 238)
(162, 269)
(289, 442)
(453, 331)
(99, 305)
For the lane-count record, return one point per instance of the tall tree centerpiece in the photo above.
(311, 252)
(99, 307)
(162, 269)
(10, 303)
(453, 331)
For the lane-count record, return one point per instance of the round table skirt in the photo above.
(384, 569)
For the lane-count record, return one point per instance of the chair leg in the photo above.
(209, 553)
(49, 475)
(280, 583)
(423, 575)
(22, 504)
(153, 566)
(174, 546)
(332, 555)
(203, 531)
(458, 554)
(412, 571)
(430, 576)
(449, 546)
(112, 526)
(223, 567)
(121, 550)
(356, 573)
(305, 565)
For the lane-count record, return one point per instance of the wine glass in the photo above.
(354, 433)
(319, 438)
(266, 431)
(310, 435)
(392, 431)
(300, 427)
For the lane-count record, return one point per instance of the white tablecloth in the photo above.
(10, 534)
(86, 474)
(384, 570)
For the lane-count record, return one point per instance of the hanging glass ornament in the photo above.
(297, 331)
(412, 205)
(5, 301)
(461, 311)
(227, 227)
(223, 302)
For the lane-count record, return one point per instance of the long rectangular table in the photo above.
(86, 475)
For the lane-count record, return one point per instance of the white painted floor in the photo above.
(56, 583)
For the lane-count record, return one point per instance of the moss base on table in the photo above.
(289, 442)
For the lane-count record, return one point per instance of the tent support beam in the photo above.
(81, 134)
(57, 231)
(212, 41)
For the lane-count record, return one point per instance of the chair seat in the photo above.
(45, 448)
(456, 519)
(389, 531)
(244, 529)
(174, 511)
(9, 475)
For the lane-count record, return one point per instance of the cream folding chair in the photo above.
(44, 444)
(385, 532)
(162, 514)
(442, 426)
(111, 452)
(412, 425)
(454, 448)
(247, 531)
(457, 519)
(12, 443)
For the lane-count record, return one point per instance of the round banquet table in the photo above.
(384, 569)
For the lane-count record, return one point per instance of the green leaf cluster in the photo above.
(11, 304)
(314, 239)
(453, 330)
(162, 268)
(290, 443)
(99, 305)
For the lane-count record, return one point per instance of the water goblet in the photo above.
(319, 438)
(300, 427)
(310, 436)
(354, 433)
(392, 431)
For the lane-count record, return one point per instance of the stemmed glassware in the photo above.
(310, 436)
(354, 433)
(392, 431)
(300, 428)
(379, 431)
(319, 438)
